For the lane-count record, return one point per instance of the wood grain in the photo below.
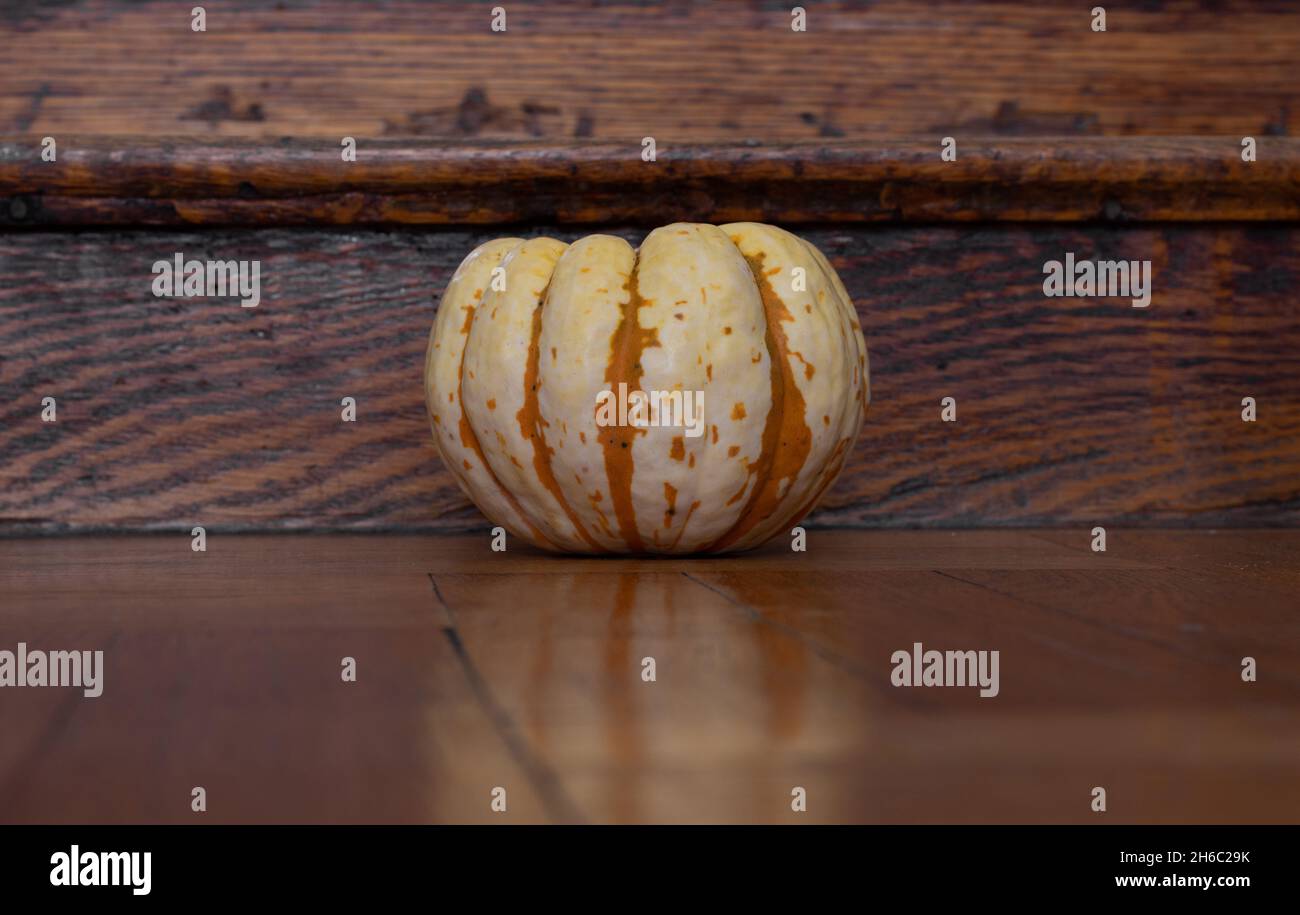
(106, 181)
(521, 670)
(679, 71)
(1070, 411)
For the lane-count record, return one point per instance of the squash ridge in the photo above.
(531, 424)
(470, 438)
(785, 447)
(626, 345)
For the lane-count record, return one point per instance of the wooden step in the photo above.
(1070, 410)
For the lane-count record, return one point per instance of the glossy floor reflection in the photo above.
(771, 672)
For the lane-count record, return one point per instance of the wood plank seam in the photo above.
(1214, 660)
(759, 618)
(543, 777)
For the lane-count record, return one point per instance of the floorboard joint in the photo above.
(559, 806)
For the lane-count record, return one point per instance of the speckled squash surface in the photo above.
(512, 377)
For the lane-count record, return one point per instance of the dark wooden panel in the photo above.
(682, 71)
(108, 181)
(1070, 411)
(773, 669)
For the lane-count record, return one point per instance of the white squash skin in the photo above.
(583, 308)
(820, 355)
(693, 281)
(695, 271)
(496, 358)
(442, 386)
(859, 399)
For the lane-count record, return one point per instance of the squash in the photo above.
(541, 352)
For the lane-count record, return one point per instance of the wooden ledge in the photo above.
(124, 181)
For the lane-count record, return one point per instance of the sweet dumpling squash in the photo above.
(698, 394)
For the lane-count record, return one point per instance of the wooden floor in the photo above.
(519, 670)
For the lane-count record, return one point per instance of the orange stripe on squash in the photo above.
(629, 341)
(787, 440)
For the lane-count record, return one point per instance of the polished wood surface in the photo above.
(1069, 410)
(116, 181)
(678, 70)
(479, 670)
